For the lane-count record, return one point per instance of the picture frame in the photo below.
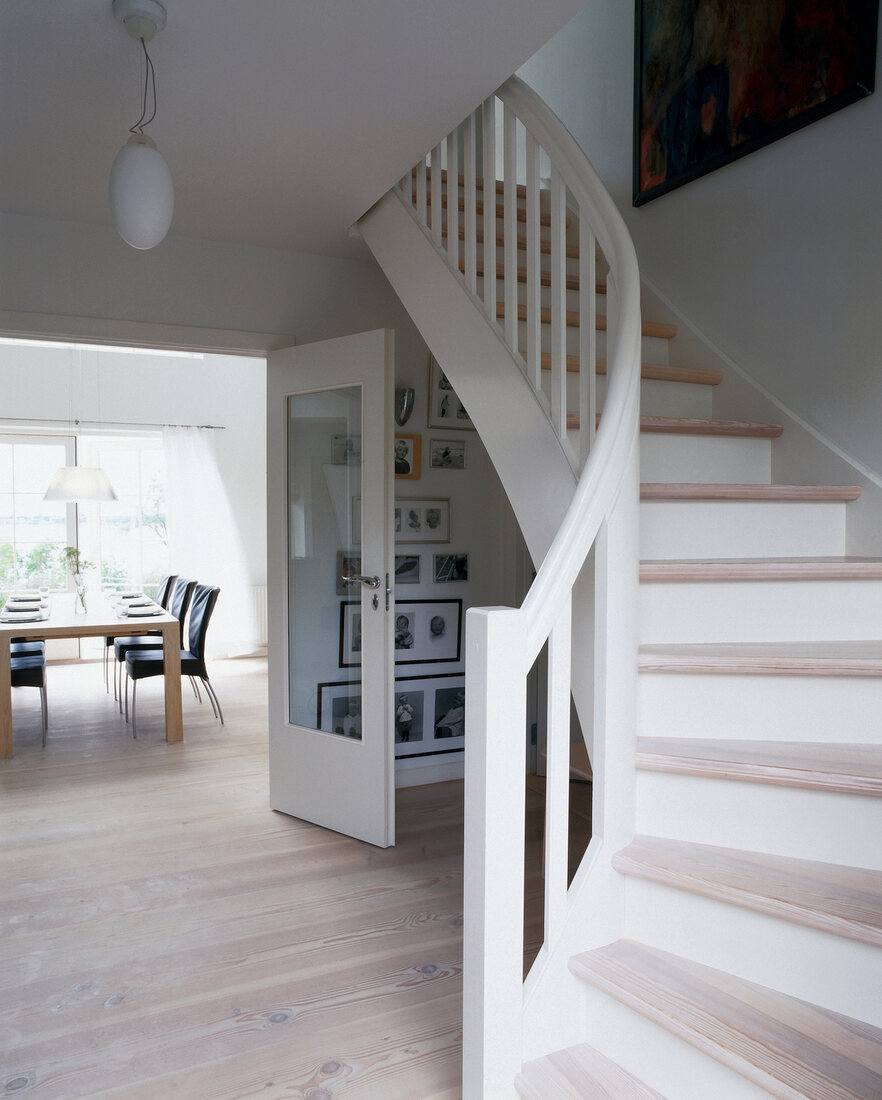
(427, 632)
(338, 708)
(733, 94)
(347, 562)
(445, 408)
(447, 454)
(408, 456)
(349, 655)
(407, 569)
(449, 568)
(345, 450)
(422, 519)
(437, 724)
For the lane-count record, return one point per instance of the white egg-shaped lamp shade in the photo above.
(142, 195)
(72, 483)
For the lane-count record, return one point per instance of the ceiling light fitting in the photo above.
(142, 197)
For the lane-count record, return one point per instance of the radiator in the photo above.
(258, 604)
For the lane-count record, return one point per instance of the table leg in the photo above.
(5, 700)
(171, 647)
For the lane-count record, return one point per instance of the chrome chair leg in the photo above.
(195, 687)
(212, 694)
(134, 688)
(45, 713)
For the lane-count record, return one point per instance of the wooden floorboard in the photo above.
(165, 933)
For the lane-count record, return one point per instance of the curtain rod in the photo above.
(102, 425)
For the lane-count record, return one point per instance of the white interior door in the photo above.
(329, 507)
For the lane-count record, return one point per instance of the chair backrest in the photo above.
(165, 589)
(182, 594)
(204, 599)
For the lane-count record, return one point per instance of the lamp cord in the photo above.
(149, 79)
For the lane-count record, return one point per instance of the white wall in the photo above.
(774, 258)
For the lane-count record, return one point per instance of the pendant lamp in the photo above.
(142, 195)
(75, 483)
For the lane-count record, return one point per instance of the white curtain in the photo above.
(203, 538)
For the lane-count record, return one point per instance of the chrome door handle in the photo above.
(358, 578)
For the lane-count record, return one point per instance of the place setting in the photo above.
(135, 605)
(28, 606)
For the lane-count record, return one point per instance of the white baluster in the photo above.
(558, 303)
(437, 212)
(488, 125)
(509, 225)
(587, 338)
(421, 191)
(493, 886)
(452, 192)
(557, 780)
(470, 202)
(533, 350)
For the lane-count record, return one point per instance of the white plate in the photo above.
(136, 611)
(131, 595)
(23, 605)
(21, 616)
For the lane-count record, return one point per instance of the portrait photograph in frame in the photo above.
(422, 519)
(447, 454)
(339, 708)
(408, 456)
(705, 95)
(437, 726)
(445, 408)
(427, 631)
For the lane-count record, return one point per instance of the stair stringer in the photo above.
(530, 461)
(540, 482)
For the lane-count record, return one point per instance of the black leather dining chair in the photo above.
(179, 604)
(143, 663)
(163, 598)
(30, 671)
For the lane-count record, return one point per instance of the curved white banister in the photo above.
(502, 644)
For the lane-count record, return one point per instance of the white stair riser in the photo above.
(740, 529)
(572, 296)
(661, 1060)
(703, 458)
(656, 398)
(845, 975)
(787, 821)
(760, 611)
(654, 349)
(774, 708)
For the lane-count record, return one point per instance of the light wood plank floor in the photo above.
(165, 934)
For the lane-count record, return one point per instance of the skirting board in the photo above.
(417, 773)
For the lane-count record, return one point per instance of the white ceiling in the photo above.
(282, 121)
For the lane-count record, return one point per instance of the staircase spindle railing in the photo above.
(545, 182)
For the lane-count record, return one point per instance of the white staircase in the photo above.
(722, 935)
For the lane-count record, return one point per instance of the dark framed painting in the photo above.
(713, 82)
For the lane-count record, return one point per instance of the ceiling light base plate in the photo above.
(141, 18)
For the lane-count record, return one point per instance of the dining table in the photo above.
(102, 619)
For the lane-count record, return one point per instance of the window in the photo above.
(33, 532)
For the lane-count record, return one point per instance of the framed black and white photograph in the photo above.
(427, 631)
(445, 408)
(447, 454)
(339, 708)
(407, 569)
(408, 456)
(409, 720)
(347, 565)
(422, 519)
(345, 450)
(350, 634)
(450, 567)
(437, 725)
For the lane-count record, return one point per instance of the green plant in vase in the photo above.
(77, 566)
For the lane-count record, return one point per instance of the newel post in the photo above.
(493, 904)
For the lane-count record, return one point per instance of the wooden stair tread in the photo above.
(677, 425)
(648, 328)
(572, 281)
(845, 768)
(698, 491)
(520, 214)
(852, 658)
(659, 372)
(580, 1073)
(762, 569)
(845, 901)
(479, 182)
(571, 250)
(786, 1046)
